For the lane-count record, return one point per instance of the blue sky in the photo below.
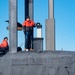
(64, 15)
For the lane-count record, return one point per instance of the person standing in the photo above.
(28, 25)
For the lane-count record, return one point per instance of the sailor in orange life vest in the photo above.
(4, 45)
(28, 31)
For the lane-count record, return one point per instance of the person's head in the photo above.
(6, 38)
(28, 18)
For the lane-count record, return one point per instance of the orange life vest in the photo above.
(29, 23)
(4, 44)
